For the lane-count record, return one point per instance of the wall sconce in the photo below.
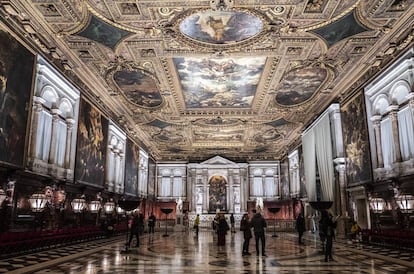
(94, 206)
(38, 201)
(377, 205)
(405, 202)
(78, 205)
(109, 207)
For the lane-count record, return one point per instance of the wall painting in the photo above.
(91, 145)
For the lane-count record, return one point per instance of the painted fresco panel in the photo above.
(131, 168)
(103, 33)
(221, 27)
(138, 88)
(302, 179)
(355, 133)
(151, 177)
(91, 145)
(219, 83)
(299, 85)
(284, 179)
(16, 74)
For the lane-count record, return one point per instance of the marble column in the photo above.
(68, 152)
(54, 134)
(376, 121)
(341, 203)
(37, 108)
(395, 131)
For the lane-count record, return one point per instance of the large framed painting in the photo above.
(302, 192)
(356, 141)
(91, 146)
(217, 194)
(16, 75)
(131, 168)
(151, 177)
(284, 179)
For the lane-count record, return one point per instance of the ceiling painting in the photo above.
(341, 29)
(219, 83)
(189, 80)
(103, 33)
(221, 27)
(299, 85)
(138, 88)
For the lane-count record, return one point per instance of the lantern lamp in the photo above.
(94, 206)
(78, 205)
(38, 201)
(2, 196)
(405, 203)
(377, 205)
(109, 207)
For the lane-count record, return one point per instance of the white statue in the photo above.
(259, 204)
(179, 208)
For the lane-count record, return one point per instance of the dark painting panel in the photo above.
(131, 168)
(91, 145)
(300, 84)
(284, 179)
(138, 88)
(221, 27)
(341, 29)
(303, 192)
(151, 177)
(103, 33)
(355, 133)
(16, 73)
(217, 194)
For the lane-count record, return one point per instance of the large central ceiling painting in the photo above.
(219, 83)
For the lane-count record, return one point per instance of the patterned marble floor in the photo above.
(182, 252)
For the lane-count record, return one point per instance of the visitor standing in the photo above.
(259, 225)
(246, 226)
(136, 227)
(151, 223)
(300, 227)
(233, 229)
(222, 228)
(197, 223)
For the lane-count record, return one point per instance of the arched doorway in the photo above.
(217, 194)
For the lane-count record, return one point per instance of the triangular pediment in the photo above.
(218, 160)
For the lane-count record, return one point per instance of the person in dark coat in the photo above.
(300, 227)
(232, 223)
(259, 225)
(137, 225)
(327, 227)
(222, 228)
(151, 223)
(246, 226)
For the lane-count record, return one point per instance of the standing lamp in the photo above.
(166, 211)
(377, 206)
(94, 207)
(78, 205)
(128, 206)
(109, 207)
(274, 210)
(406, 204)
(37, 202)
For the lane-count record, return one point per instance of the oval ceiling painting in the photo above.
(138, 88)
(299, 85)
(221, 27)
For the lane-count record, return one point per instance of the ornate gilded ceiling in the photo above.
(192, 79)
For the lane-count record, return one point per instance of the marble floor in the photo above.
(183, 252)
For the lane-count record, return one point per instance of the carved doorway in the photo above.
(217, 194)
